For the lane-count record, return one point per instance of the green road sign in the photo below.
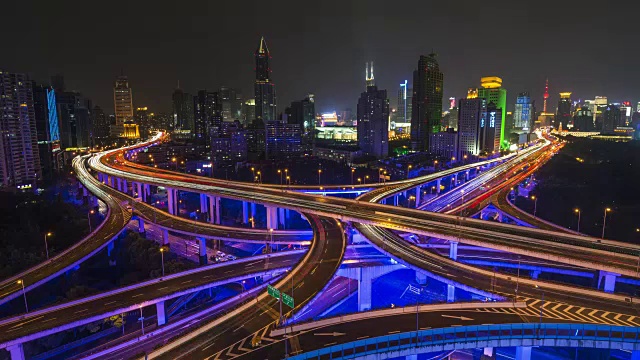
(273, 291)
(287, 300)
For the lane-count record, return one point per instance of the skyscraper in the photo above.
(282, 140)
(265, 90)
(207, 115)
(75, 120)
(493, 92)
(471, 112)
(100, 123)
(611, 118)
(19, 157)
(583, 119)
(369, 79)
(405, 94)
(303, 113)
(231, 102)
(122, 100)
(564, 111)
(523, 116)
(373, 120)
(428, 82)
(46, 117)
(183, 115)
(490, 129)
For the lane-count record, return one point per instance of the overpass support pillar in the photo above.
(365, 282)
(141, 226)
(165, 237)
(119, 182)
(16, 351)
(171, 200)
(214, 209)
(488, 353)
(418, 193)
(438, 186)
(451, 293)
(635, 355)
(453, 250)
(609, 280)
(499, 216)
(455, 179)
(146, 191)
(395, 200)
(245, 212)
(272, 217)
(281, 218)
(421, 278)
(253, 211)
(203, 203)
(202, 246)
(109, 248)
(523, 353)
(535, 274)
(162, 319)
(125, 186)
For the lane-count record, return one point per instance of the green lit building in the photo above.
(493, 92)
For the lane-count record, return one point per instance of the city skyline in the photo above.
(334, 73)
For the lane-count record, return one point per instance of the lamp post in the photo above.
(359, 181)
(353, 171)
(24, 295)
(91, 212)
(46, 245)
(535, 204)
(141, 320)
(253, 172)
(280, 172)
(288, 180)
(271, 239)
(435, 165)
(365, 179)
(259, 176)
(162, 255)
(577, 211)
(175, 162)
(464, 159)
(604, 221)
(462, 203)
(408, 170)
(319, 173)
(253, 223)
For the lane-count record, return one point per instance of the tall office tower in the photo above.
(183, 115)
(471, 112)
(583, 119)
(545, 96)
(282, 140)
(46, 117)
(450, 119)
(19, 156)
(231, 101)
(207, 114)
(564, 111)
(523, 116)
(373, 120)
(428, 82)
(303, 113)
(122, 100)
(452, 103)
(249, 112)
(74, 114)
(100, 123)
(611, 118)
(405, 94)
(493, 92)
(265, 90)
(490, 129)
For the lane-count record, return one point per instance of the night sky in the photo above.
(322, 46)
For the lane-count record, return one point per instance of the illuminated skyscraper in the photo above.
(545, 96)
(428, 82)
(563, 114)
(493, 92)
(405, 94)
(368, 74)
(611, 118)
(523, 115)
(19, 157)
(207, 115)
(122, 100)
(265, 90)
(373, 121)
(183, 115)
(231, 101)
(472, 111)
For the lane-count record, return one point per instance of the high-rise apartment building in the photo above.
(611, 118)
(249, 112)
(231, 102)
(208, 115)
(122, 100)
(583, 119)
(183, 114)
(265, 90)
(303, 113)
(563, 115)
(523, 114)
(428, 82)
(19, 155)
(472, 111)
(75, 120)
(282, 140)
(100, 123)
(493, 92)
(373, 120)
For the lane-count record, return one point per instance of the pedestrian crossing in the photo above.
(565, 312)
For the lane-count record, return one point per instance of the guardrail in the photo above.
(475, 336)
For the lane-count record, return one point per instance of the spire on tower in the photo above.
(546, 96)
(262, 48)
(368, 70)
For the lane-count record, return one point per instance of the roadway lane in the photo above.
(59, 318)
(116, 219)
(323, 259)
(576, 250)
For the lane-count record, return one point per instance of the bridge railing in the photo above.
(529, 334)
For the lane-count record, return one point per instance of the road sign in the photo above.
(287, 300)
(273, 291)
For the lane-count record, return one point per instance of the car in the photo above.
(231, 257)
(219, 253)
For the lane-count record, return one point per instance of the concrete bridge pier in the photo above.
(214, 209)
(245, 212)
(16, 352)
(487, 353)
(438, 184)
(365, 283)
(253, 211)
(125, 186)
(202, 247)
(455, 179)
(119, 184)
(523, 353)
(272, 217)
(146, 192)
(418, 193)
(165, 237)
(281, 218)
(203, 203)
(535, 274)
(162, 319)
(421, 278)
(453, 250)
(466, 176)
(609, 280)
(109, 248)
(172, 201)
(451, 293)
(141, 229)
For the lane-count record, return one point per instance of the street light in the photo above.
(280, 172)
(259, 176)
(365, 179)
(359, 181)
(408, 170)
(461, 207)
(535, 204)
(288, 180)
(162, 254)
(353, 171)
(253, 223)
(141, 319)
(24, 295)
(91, 212)
(175, 162)
(253, 171)
(271, 235)
(577, 211)
(604, 222)
(319, 173)
(46, 246)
